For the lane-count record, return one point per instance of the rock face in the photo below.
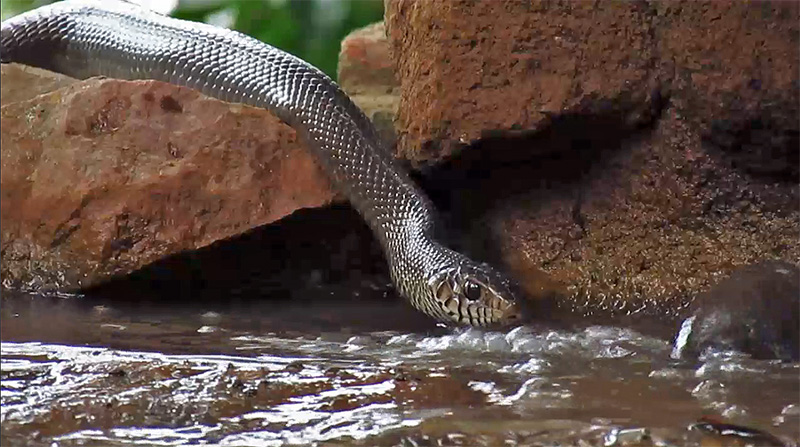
(104, 176)
(470, 69)
(732, 70)
(624, 156)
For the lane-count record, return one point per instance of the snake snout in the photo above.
(515, 313)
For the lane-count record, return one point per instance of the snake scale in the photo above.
(114, 38)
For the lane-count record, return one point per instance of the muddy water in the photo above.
(78, 371)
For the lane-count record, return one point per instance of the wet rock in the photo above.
(712, 432)
(294, 367)
(366, 73)
(756, 310)
(581, 144)
(628, 437)
(645, 227)
(104, 176)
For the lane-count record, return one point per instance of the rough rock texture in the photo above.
(643, 226)
(103, 176)
(366, 73)
(35, 82)
(624, 156)
(469, 69)
(732, 69)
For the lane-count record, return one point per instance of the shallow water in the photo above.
(80, 371)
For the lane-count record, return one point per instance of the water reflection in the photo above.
(75, 372)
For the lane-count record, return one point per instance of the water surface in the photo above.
(80, 371)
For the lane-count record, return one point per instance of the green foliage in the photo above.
(309, 29)
(10, 8)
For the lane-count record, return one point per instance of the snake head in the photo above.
(476, 295)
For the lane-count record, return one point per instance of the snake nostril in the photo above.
(513, 314)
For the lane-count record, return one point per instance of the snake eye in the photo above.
(472, 291)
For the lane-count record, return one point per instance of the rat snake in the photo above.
(84, 38)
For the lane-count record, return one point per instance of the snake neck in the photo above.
(413, 261)
(399, 214)
(116, 39)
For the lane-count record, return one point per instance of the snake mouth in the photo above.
(514, 314)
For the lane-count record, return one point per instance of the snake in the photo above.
(122, 40)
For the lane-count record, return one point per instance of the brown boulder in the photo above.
(756, 310)
(471, 69)
(104, 176)
(623, 156)
(34, 80)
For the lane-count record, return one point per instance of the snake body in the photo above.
(85, 38)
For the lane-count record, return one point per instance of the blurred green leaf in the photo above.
(310, 29)
(10, 8)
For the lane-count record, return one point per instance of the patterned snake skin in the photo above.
(121, 40)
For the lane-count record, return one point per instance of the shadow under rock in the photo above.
(323, 267)
(554, 161)
(318, 269)
(764, 145)
(505, 170)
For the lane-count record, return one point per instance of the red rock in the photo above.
(104, 176)
(471, 69)
(36, 82)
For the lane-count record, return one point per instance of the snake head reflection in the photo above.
(476, 295)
